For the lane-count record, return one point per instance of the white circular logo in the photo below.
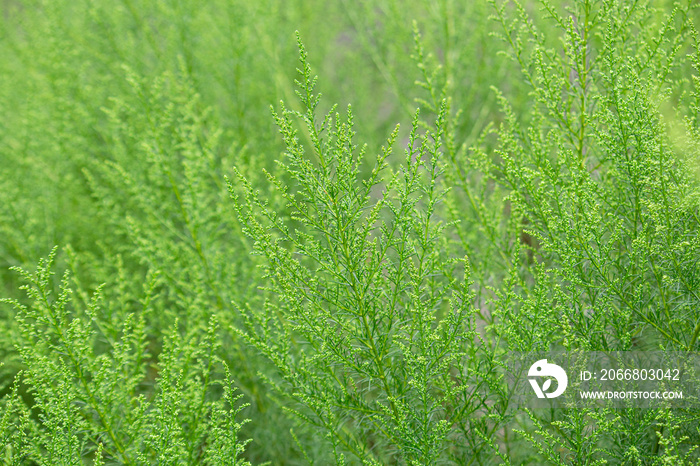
(544, 369)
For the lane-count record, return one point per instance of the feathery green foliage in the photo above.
(246, 288)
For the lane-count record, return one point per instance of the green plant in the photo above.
(371, 320)
(90, 404)
(364, 298)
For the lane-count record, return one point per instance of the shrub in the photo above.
(341, 302)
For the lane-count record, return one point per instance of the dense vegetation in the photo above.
(191, 277)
